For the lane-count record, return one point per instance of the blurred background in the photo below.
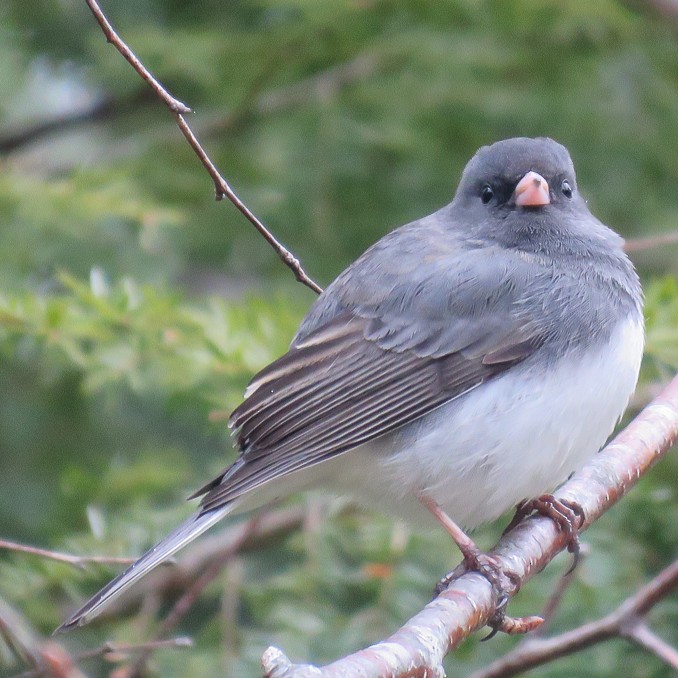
(134, 308)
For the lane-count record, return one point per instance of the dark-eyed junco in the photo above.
(469, 360)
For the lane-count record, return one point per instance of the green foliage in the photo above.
(134, 308)
(661, 311)
(135, 355)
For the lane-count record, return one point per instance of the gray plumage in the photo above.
(428, 318)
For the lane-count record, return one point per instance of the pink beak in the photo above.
(532, 191)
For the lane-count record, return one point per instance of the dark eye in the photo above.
(567, 189)
(486, 194)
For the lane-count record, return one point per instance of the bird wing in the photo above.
(334, 390)
(392, 338)
(370, 370)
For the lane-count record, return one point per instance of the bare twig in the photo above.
(556, 598)
(13, 139)
(626, 622)
(179, 109)
(76, 561)
(48, 658)
(666, 9)
(18, 634)
(642, 636)
(120, 650)
(56, 663)
(418, 648)
(651, 242)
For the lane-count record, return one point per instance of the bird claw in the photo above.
(500, 580)
(568, 516)
(476, 560)
(489, 567)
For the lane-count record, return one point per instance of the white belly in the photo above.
(512, 439)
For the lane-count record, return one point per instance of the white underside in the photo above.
(514, 438)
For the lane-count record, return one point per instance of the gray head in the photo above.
(523, 188)
(501, 166)
(511, 159)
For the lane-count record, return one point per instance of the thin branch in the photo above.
(253, 104)
(221, 186)
(130, 648)
(642, 636)
(47, 657)
(76, 561)
(651, 242)
(626, 622)
(556, 598)
(666, 9)
(171, 102)
(13, 139)
(18, 634)
(56, 663)
(418, 648)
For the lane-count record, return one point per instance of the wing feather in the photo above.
(336, 390)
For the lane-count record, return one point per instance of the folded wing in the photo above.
(337, 389)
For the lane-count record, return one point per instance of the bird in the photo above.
(466, 362)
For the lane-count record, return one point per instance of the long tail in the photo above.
(174, 541)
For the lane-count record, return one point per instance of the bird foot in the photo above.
(489, 567)
(568, 516)
(502, 581)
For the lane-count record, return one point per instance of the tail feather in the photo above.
(165, 548)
